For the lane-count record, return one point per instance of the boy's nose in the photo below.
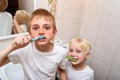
(41, 31)
(73, 54)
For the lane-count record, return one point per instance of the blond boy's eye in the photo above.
(78, 51)
(70, 50)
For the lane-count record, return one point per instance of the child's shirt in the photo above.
(39, 65)
(86, 74)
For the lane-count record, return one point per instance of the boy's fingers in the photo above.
(21, 41)
(27, 39)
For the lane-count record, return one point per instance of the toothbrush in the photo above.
(38, 38)
(71, 58)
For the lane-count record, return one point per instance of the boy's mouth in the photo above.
(71, 58)
(38, 38)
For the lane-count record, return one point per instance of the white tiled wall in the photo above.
(101, 25)
(112, 7)
(68, 18)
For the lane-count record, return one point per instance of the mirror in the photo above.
(14, 5)
(7, 10)
(20, 17)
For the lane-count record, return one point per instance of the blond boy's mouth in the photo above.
(71, 58)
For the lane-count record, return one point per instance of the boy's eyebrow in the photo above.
(34, 25)
(43, 25)
(47, 25)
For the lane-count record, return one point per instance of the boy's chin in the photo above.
(74, 63)
(40, 43)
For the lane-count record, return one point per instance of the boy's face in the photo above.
(40, 26)
(76, 52)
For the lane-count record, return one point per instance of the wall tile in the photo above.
(59, 25)
(59, 14)
(94, 5)
(69, 31)
(72, 16)
(116, 63)
(72, 4)
(100, 68)
(60, 4)
(90, 17)
(115, 75)
(112, 7)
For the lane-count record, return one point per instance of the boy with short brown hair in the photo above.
(39, 57)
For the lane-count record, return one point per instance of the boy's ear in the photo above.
(29, 32)
(87, 55)
(55, 31)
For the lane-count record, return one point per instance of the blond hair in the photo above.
(3, 5)
(22, 16)
(43, 13)
(83, 44)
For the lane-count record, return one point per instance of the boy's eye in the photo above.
(35, 27)
(47, 27)
(78, 51)
(70, 50)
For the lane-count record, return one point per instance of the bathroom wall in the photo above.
(101, 25)
(68, 19)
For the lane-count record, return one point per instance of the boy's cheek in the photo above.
(32, 35)
(69, 54)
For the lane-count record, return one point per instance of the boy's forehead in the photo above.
(76, 47)
(41, 18)
(76, 44)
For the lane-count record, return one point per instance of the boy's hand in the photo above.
(21, 41)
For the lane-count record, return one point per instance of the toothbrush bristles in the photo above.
(71, 58)
(38, 38)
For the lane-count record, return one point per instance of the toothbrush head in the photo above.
(41, 37)
(38, 38)
(71, 58)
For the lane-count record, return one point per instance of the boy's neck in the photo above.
(45, 48)
(79, 67)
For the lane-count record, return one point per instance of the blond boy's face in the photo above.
(76, 52)
(40, 26)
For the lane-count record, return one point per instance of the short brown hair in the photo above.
(3, 5)
(43, 13)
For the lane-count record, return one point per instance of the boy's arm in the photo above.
(62, 74)
(19, 42)
(3, 55)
